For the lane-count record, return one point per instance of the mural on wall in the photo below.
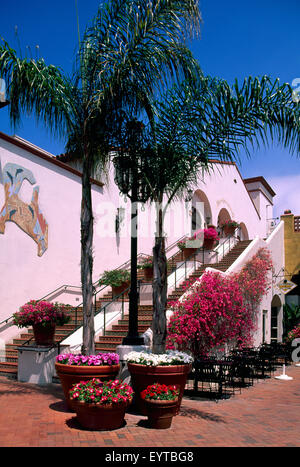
(27, 216)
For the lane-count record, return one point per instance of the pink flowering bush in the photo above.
(95, 391)
(100, 359)
(41, 312)
(211, 316)
(202, 234)
(293, 334)
(220, 309)
(254, 279)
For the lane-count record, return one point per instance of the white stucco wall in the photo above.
(25, 275)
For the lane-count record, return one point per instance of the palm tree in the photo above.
(132, 49)
(195, 122)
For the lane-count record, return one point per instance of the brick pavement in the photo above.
(265, 415)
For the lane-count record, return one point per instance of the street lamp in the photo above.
(128, 177)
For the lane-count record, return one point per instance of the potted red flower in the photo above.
(72, 369)
(146, 265)
(43, 316)
(229, 227)
(161, 404)
(101, 405)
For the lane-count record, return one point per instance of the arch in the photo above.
(223, 216)
(243, 231)
(201, 211)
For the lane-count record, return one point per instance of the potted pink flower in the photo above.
(43, 316)
(146, 265)
(209, 236)
(72, 368)
(101, 405)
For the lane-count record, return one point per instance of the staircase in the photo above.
(10, 366)
(114, 336)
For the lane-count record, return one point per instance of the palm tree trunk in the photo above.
(88, 345)
(160, 289)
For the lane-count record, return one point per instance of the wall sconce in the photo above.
(189, 196)
(207, 220)
(120, 216)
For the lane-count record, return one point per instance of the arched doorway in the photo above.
(222, 217)
(201, 211)
(275, 324)
(243, 232)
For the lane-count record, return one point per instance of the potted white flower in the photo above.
(171, 368)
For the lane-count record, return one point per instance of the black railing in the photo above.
(198, 256)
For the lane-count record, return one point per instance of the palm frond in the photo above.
(33, 86)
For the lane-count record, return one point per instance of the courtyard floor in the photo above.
(264, 415)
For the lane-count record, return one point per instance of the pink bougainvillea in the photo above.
(254, 279)
(220, 309)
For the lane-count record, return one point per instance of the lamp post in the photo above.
(133, 337)
(128, 178)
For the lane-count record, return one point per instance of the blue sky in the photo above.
(238, 39)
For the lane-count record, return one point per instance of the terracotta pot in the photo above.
(208, 243)
(187, 252)
(148, 274)
(100, 417)
(72, 374)
(228, 230)
(116, 291)
(44, 335)
(160, 413)
(144, 375)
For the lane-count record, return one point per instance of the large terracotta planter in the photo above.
(187, 252)
(100, 417)
(208, 243)
(44, 335)
(72, 374)
(160, 413)
(148, 274)
(228, 230)
(144, 375)
(116, 291)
